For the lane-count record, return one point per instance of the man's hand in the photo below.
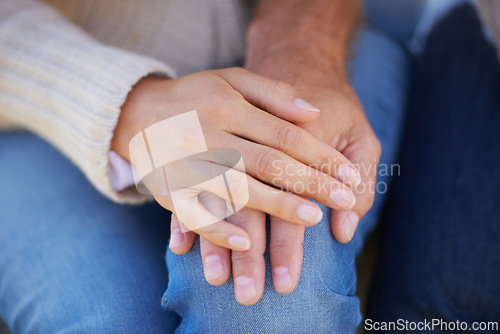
(309, 51)
(344, 126)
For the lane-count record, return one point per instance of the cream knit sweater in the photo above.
(66, 66)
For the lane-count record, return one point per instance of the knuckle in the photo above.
(377, 147)
(328, 159)
(366, 201)
(315, 186)
(208, 199)
(278, 247)
(236, 69)
(206, 246)
(325, 155)
(288, 137)
(320, 184)
(372, 143)
(233, 73)
(282, 88)
(238, 186)
(282, 245)
(215, 101)
(243, 216)
(266, 162)
(370, 198)
(245, 260)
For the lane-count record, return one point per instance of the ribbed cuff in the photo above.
(120, 79)
(60, 83)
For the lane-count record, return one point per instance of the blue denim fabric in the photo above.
(72, 261)
(324, 300)
(440, 241)
(396, 18)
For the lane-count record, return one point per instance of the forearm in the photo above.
(312, 33)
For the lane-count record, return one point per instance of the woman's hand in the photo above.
(234, 108)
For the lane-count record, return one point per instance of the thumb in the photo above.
(344, 223)
(276, 97)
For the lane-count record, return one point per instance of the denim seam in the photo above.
(183, 321)
(180, 328)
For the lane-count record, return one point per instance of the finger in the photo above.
(180, 242)
(243, 190)
(286, 254)
(276, 168)
(216, 262)
(295, 142)
(345, 223)
(249, 267)
(216, 259)
(277, 97)
(198, 219)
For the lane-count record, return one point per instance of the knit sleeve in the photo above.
(57, 81)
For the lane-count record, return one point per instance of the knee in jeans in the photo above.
(324, 300)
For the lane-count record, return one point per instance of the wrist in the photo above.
(318, 30)
(140, 100)
(294, 40)
(300, 46)
(299, 68)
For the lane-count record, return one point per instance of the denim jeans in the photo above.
(440, 239)
(73, 261)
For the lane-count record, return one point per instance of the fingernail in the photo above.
(309, 213)
(349, 176)
(213, 267)
(304, 105)
(343, 198)
(282, 279)
(350, 224)
(239, 242)
(244, 288)
(176, 238)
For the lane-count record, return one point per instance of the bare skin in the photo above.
(304, 43)
(226, 102)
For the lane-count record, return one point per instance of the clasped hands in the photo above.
(285, 143)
